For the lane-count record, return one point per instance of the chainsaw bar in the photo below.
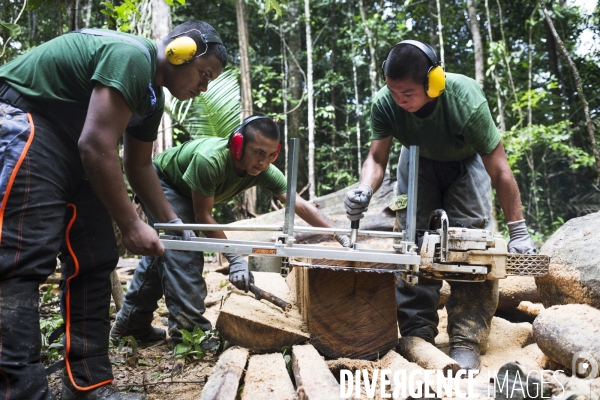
(527, 264)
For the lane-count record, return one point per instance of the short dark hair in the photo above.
(263, 126)
(407, 61)
(190, 29)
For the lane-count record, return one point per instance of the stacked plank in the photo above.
(267, 376)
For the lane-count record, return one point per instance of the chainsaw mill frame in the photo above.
(446, 253)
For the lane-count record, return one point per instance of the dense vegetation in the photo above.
(529, 86)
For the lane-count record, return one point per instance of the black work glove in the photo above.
(357, 201)
(184, 235)
(239, 274)
(520, 241)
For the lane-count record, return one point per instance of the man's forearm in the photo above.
(311, 214)
(372, 174)
(103, 170)
(146, 186)
(210, 234)
(509, 196)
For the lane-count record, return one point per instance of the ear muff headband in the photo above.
(435, 81)
(236, 139)
(182, 48)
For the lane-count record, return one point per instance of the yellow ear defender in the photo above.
(435, 81)
(182, 48)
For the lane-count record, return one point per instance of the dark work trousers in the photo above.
(177, 274)
(463, 190)
(48, 207)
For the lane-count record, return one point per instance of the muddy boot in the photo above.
(106, 392)
(147, 336)
(466, 354)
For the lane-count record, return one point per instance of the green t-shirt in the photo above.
(205, 166)
(59, 76)
(460, 125)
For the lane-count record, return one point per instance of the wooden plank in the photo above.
(314, 381)
(297, 281)
(352, 314)
(224, 381)
(267, 378)
(258, 325)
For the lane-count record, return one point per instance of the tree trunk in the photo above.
(432, 25)
(440, 34)
(582, 99)
(372, 50)
(294, 41)
(310, 99)
(332, 99)
(357, 109)
(161, 26)
(245, 86)
(477, 43)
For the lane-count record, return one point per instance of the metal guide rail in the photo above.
(279, 249)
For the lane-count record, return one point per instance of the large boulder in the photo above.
(574, 273)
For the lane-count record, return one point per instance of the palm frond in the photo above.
(215, 112)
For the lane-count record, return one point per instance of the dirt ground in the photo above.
(153, 370)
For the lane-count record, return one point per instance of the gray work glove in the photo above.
(344, 240)
(184, 235)
(520, 241)
(357, 200)
(239, 274)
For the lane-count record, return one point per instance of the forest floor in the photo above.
(154, 370)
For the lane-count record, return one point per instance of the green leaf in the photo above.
(182, 2)
(181, 348)
(273, 4)
(169, 2)
(187, 336)
(13, 30)
(213, 113)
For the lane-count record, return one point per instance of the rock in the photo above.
(574, 276)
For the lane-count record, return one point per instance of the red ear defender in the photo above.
(277, 154)
(236, 145)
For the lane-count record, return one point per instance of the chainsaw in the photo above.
(461, 254)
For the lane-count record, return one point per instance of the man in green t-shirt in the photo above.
(64, 107)
(460, 150)
(195, 176)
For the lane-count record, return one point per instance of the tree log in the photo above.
(224, 381)
(313, 379)
(563, 332)
(267, 378)
(395, 362)
(351, 314)
(426, 355)
(117, 290)
(259, 325)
